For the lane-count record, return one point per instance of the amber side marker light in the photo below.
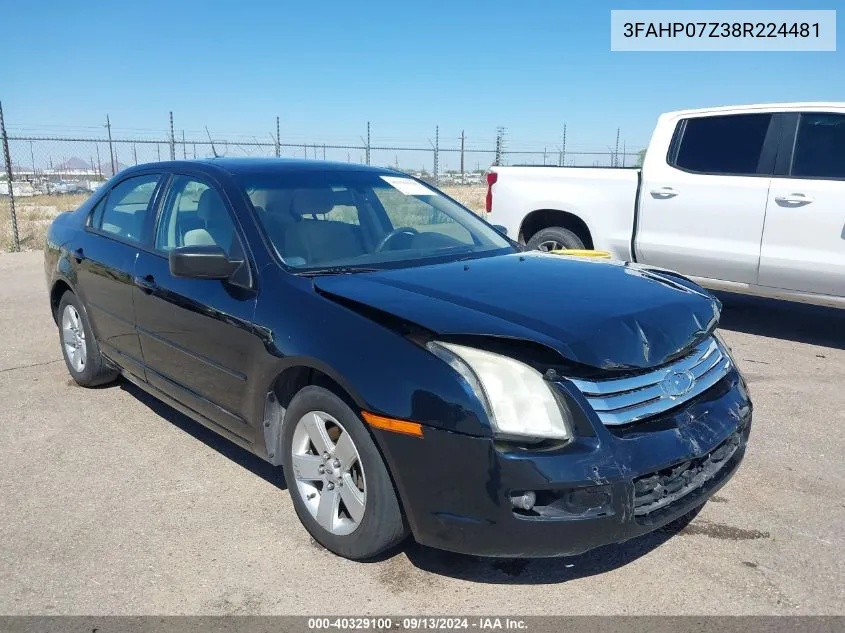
(390, 424)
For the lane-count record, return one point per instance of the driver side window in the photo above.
(195, 214)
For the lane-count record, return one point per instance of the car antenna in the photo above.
(213, 149)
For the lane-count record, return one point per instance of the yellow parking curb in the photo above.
(582, 253)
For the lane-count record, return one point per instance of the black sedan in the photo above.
(410, 368)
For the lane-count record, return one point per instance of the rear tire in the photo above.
(555, 238)
(79, 347)
(346, 501)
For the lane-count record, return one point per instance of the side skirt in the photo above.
(197, 417)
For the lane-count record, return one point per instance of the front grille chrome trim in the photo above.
(625, 400)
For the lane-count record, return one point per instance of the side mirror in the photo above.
(501, 228)
(201, 262)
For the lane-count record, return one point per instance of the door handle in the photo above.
(79, 255)
(664, 193)
(793, 200)
(147, 283)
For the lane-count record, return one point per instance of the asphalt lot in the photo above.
(112, 503)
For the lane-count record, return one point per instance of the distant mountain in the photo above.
(73, 163)
(105, 168)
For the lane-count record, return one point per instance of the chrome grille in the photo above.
(625, 400)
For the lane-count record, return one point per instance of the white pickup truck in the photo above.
(746, 199)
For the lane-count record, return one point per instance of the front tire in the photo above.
(555, 238)
(79, 347)
(338, 482)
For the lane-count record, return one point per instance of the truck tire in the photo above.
(555, 238)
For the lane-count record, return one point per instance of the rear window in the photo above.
(729, 145)
(123, 213)
(820, 146)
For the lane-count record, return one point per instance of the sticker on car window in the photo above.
(408, 186)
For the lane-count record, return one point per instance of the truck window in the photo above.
(729, 144)
(820, 146)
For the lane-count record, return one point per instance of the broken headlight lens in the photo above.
(518, 401)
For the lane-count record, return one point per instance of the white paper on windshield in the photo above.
(408, 186)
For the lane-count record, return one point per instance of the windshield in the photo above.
(338, 219)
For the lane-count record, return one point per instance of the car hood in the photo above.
(609, 315)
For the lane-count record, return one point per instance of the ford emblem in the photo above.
(677, 383)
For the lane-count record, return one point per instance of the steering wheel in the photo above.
(407, 230)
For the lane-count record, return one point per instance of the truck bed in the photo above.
(603, 197)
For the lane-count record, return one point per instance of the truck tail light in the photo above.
(492, 177)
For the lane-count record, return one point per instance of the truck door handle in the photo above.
(793, 200)
(147, 283)
(663, 193)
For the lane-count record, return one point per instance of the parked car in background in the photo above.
(20, 189)
(409, 367)
(746, 199)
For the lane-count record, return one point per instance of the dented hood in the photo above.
(610, 315)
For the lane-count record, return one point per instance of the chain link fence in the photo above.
(44, 175)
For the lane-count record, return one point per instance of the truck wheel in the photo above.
(79, 347)
(555, 238)
(338, 482)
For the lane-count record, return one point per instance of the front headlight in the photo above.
(516, 398)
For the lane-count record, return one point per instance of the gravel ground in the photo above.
(115, 504)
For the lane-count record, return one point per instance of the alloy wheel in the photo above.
(73, 338)
(550, 245)
(328, 472)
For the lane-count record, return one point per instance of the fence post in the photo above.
(111, 148)
(463, 139)
(368, 142)
(172, 139)
(278, 140)
(16, 243)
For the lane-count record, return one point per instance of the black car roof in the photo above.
(238, 166)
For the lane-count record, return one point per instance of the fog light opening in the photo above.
(524, 500)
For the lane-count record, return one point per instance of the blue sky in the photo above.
(328, 67)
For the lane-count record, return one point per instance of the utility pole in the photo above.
(16, 242)
(172, 139)
(463, 140)
(111, 147)
(500, 144)
(278, 140)
(436, 155)
(616, 150)
(562, 161)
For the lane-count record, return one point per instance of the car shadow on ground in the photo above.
(799, 322)
(240, 456)
(528, 571)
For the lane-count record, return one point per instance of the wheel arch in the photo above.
(57, 291)
(541, 219)
(285, 383)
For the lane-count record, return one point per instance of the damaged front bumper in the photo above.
(609, 484)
